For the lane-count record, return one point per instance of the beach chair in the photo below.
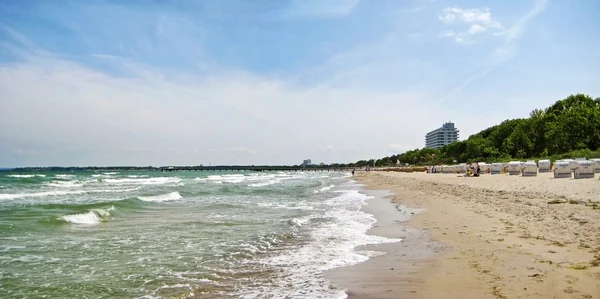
(496, 168)
(584, 170)
(544, 165)
(572, 163)
(529, 168)
(562, 169)
(596, 165)
(514, 168)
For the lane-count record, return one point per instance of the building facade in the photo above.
(442, 136)
(306, 162)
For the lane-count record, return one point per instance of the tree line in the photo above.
(569, 128)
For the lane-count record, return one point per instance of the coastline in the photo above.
(487, 237)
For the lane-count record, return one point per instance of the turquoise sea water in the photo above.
(178, 234)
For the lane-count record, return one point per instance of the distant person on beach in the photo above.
(352, 172)
(477, 170)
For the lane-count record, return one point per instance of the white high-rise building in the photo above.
(442, 136)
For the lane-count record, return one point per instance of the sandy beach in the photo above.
(495, 236)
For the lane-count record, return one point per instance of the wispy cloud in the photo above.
(464, 84)
(501, 54)
(76, 107)
(478, 21)
(514, 32)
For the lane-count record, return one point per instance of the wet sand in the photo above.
(494, 236)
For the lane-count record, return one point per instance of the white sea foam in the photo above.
(92, 217)
(227, 178)
(65, 184)
(326, 188)
(8, 248)
(64, 176)
(333, 245)
(143, 181)
(25, 175)
(6, 196)
(39, 194)
(103, 212)
(267, 183)
(293, 206)
(162, 197)
(89, 218)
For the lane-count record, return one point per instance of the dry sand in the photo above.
(495, 236)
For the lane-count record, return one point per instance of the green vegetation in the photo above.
(569, 128)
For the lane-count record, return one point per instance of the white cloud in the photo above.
(501, 54)
(76, 115)
(459, 38)
(480, 21)
(451, 15)
(476, 28)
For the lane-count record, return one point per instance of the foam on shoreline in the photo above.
(364, 280)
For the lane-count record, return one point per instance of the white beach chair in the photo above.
(596, 165)
(514, 168)
(496, 168)
(562, 169)
(572, 163)
(529, 168)
(544, 166)
(584, 170)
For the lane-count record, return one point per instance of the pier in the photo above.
(257, 168)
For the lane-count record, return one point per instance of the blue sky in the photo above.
(183, 82)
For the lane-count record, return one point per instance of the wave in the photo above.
(92, 217)
(335, 234)
(327, 188)
(267, 183)
(163, 197)
(65, 184)
(39, 194)
(26, 175)
(142, 181)
(227, 178)
(5, 196)
(64, 176)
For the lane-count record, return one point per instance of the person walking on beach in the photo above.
(352, 172)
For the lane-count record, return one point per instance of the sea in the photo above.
(153, 234)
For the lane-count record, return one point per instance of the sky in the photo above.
(185, 82)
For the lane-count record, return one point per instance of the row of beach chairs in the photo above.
(579, 168)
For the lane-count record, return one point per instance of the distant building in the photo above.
(442, 136)
(306, 162)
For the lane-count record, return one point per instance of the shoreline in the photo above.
(487, 237)
(387, 275)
